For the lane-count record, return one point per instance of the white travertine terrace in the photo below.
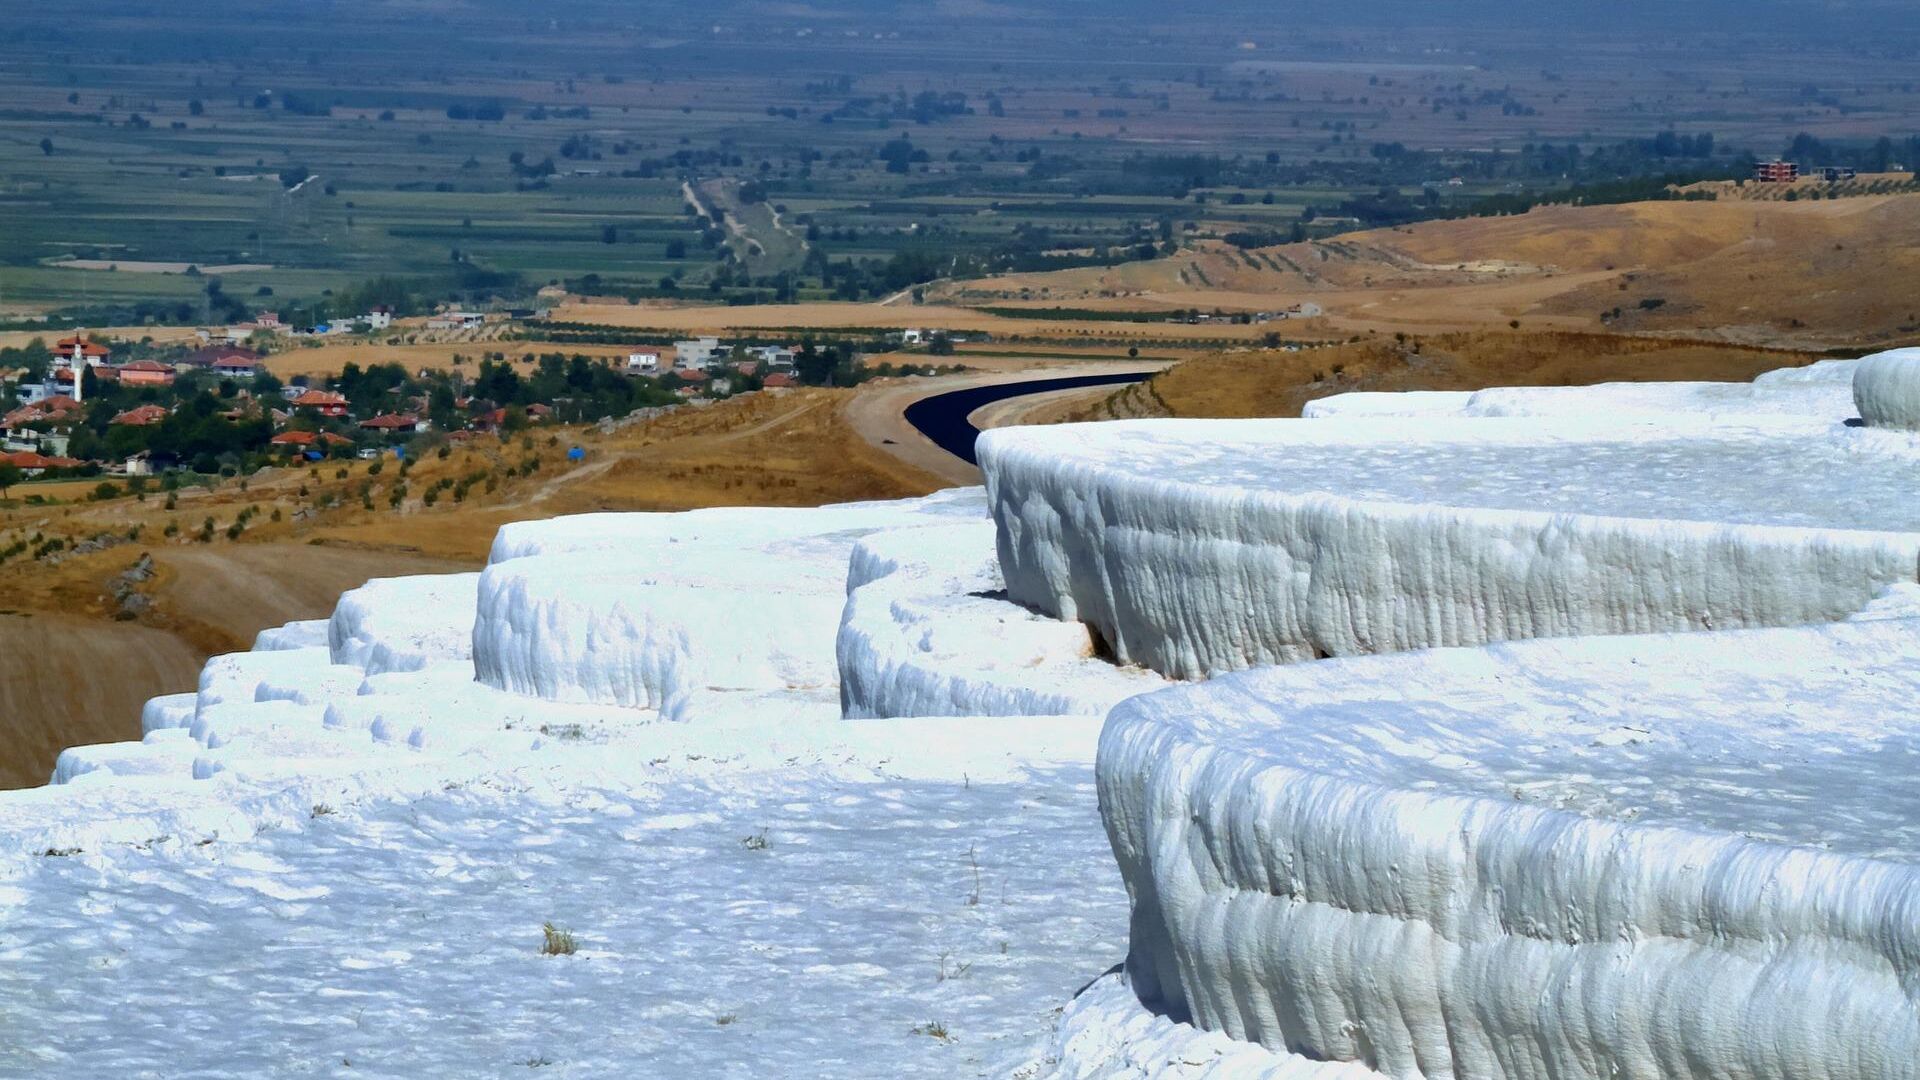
(926, 631)
(1886, 389)
(1613, 852)
(1662, 856)
(1200, 547)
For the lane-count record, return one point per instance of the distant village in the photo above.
(83, 406)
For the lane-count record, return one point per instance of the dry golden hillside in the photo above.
(1279, 383)
(1802, 274)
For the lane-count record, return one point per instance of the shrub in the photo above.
(557, 942)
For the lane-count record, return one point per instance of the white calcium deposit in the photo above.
(1822, 390)
(664, 611)
(816, 790)
(1886, 389)
(928, 631)
(1661, 856)
(404, 624)
(1198, 547)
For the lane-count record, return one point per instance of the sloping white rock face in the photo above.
(927, 631)
(294, 635)
(1886, 389)
(1659, 857)
(1822, 390)
(1199, 547)
(664, 611)
(1105, 1035)
(1366, 403)
(404, 624)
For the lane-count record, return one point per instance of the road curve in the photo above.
(945, 418)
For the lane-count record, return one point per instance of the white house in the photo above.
(457, 320)
(913, 337)
(379, 318)
(643, 361)
(778, 357)
(698, 353)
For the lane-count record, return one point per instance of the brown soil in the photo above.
(68, 682)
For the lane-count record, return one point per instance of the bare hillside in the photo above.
(66, 682)
(1803, 274)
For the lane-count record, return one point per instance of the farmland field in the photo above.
(856, 152)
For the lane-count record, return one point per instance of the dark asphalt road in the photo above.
(943, 417)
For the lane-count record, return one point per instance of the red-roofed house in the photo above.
(144, 416)
(57, 407)
(776, 380)
(34, 464)
(321, 439)
(78, 349)
(324, 402)
(394, 424)
(213, 354)
(238, 364)
(145, 373)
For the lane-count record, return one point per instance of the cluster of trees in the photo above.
(1879, 155)
(196, 431)
(1634, 189)
(901, 155)
(579, 389)
(483, 110)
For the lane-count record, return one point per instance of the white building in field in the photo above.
(379, 318)
(777, 357)
(643, 361)
(698, 352)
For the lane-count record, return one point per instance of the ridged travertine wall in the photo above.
(1886, 389)
(1349, 880)
(925, 633)
(1194, 579)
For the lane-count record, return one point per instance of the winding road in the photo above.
(945, 419)
(901, 417)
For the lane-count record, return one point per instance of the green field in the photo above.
(478, 153)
